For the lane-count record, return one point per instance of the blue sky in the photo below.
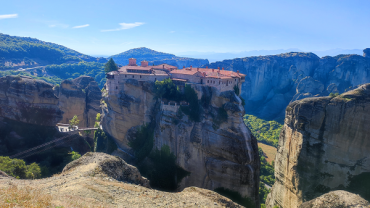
(110, 27)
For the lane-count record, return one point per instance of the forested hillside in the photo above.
(23, 51)
(156, 58)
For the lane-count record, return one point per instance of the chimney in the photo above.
(144, 63)
(222, 68)
(237, 71)
(213, 70)
(218, 69)
(198, 69)
(191, 68)
(183, 67)
(132, 62)
(206, 67)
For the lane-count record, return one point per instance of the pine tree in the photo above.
(110, 66)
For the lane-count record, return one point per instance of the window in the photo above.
(125, 76)
(133, 76)
(235, 80)
(140, 76)
(207, 81)
(116, 88)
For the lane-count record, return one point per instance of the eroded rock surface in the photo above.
(324, 146)
(101, 180)
(216, 155)
(341, 199)
(81, 97)
(281, 79)
(28, 100)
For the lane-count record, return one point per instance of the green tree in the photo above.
(98, 117)
(74, 155)
(74, 121)
(110, 66)
(18, 168)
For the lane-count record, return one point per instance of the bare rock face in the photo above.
(216, 156)
(336, 199)
(324, 146)
(101, 180)
(34, 101)
(278, 80)
(107, 166)
(132, 107)
(80, 97)
(223, 155)
(28, 100)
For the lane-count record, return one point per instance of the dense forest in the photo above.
(266, 132)
(14, 47)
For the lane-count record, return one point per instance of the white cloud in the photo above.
(7, 16)
(81, 26)
(58, 25)
(125, 26)
(172, 31)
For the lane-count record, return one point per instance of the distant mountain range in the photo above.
(155, 57)
(213, 57)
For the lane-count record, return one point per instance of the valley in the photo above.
(281, 130)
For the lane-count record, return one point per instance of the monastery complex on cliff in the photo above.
(219, 78)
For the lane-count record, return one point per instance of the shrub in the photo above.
(167, 89)
(193, 110)
(236, 90)
(333, 94)
(98, 117)
(103, 142)
(18, 168)
(164, 174)
(144, 140)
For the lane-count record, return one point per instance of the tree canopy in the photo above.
(110, 66)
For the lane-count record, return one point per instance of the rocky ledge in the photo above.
(101, 180)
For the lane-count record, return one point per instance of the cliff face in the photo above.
(80, 97)
(273, 82)
(216, 154)
(27, 100)
(324, 145)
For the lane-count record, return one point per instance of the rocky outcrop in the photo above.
(336, 199)
(324, 146)
(81, 97)
(273, 82)
(101, 180)
(103, 165)
(367, 53)
(28, 100)
(34, 101)
(217, 154)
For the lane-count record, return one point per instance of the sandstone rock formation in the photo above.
(101, 180)
(34, 101)
(81, 97)
(216, 155)
(273, 82)
(28, 100)
(336, 199)
(324, 146)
